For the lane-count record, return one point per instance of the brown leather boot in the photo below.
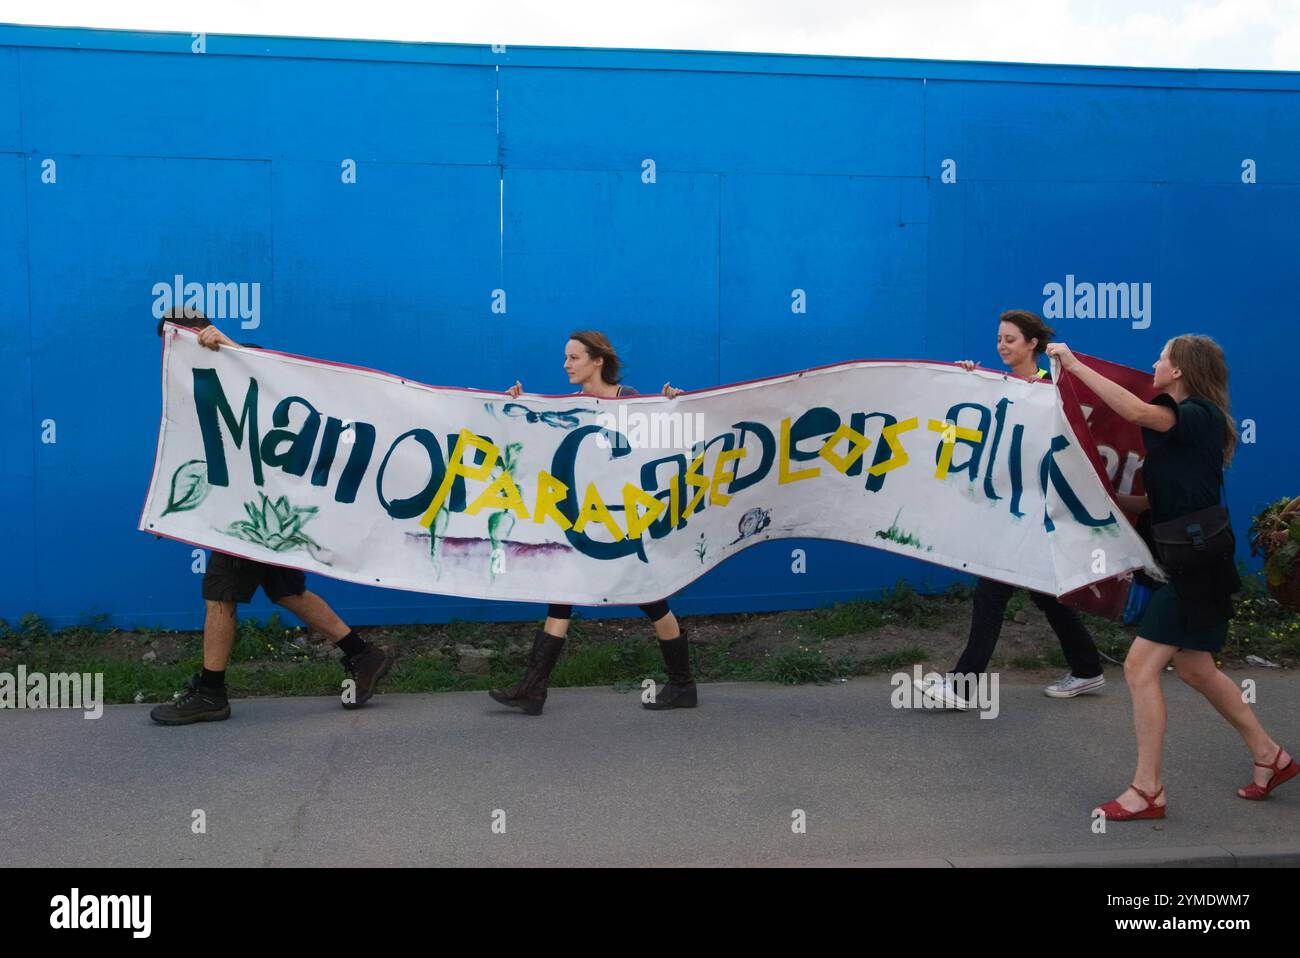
(529, 693)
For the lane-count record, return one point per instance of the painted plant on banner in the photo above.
(275, 525)
(374, 479)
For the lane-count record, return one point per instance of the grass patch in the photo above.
(902, 604)
(806, 664)
(847, 618)
(265, 642)
(466, 633)
(623, 664)
(799, 666)
(1015, 607)
(891, 661)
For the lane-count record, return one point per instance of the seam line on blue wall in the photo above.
(925, 129)
(961, 239)
(270, 229)
(717, 311)
(929, 200)
(31, 353)
(501, 177)
(501, 227)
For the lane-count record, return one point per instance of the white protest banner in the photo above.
(372, 478)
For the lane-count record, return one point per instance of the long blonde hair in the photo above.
(1205, 374)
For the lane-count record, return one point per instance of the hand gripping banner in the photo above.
(376, 479)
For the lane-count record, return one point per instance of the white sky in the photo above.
(1226, 34)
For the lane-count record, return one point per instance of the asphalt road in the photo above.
(596, 780)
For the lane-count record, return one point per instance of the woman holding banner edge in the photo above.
(592, 364)
(1190, 439)
(1022, 338)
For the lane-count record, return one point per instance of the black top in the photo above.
(1183, 469)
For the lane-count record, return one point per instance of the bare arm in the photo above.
(1134, 505)
(1127, 405)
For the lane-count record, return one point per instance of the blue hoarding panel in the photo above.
(103, 239)
(720, 216)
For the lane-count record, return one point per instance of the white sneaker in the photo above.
(942, 692)
(1072, 685)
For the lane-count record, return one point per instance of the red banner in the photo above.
(1116, 453)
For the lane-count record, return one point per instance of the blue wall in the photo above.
(522, 170)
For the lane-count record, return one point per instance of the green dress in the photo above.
(1183, 472)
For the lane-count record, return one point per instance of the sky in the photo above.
(1217, 34)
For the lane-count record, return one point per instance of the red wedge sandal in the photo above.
(1115, 812)
(1257, 793)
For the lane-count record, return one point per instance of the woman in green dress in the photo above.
(1190, 438)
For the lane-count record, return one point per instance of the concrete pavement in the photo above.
(596, 780)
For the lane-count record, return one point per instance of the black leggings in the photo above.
(655, 610)
(991, 600)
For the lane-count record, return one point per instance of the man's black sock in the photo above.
(351, 644)
(211, 679)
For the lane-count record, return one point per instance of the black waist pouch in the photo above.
(1196, 541)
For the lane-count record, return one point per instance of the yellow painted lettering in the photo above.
(720, 475)
(785, 474)
(550, 491)
(898, 455)
(457, 467)
(593, 507)
(502, 494)
(701, 482)
(951, 433)
(638, 522)
(857, 446)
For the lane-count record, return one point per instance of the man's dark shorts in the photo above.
(232, 579)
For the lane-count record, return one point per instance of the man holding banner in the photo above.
(230, 580)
